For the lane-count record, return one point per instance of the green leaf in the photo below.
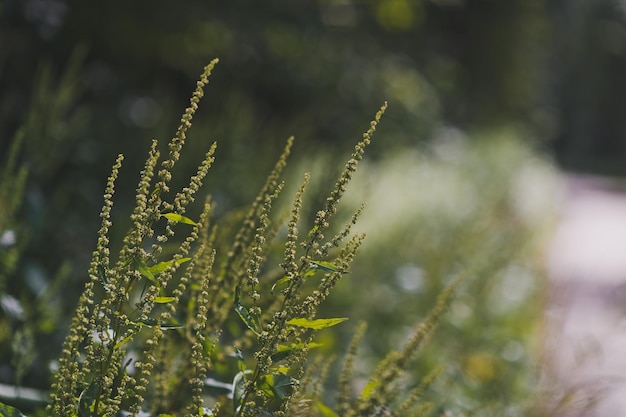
(145, 271)
(205, 411)
(281, 370)
(277, 385)
(164, 300)
(241, 362)
(164, 325)
(249, 321)
(123, 342)
(162, 266)
(284, 351)
(177, 218)
(281, 284)
(252, 322)
(316, 324)
(369, 388)
(327, 266)
(87, 399)
(239, 383)
(8, 411)
(325, 410)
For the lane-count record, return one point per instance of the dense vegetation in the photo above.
(159, 324)
(453, 185)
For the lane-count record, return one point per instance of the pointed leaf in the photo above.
(325, 410)
(310, 272)
(177, 218)
(327, 266)
(163, 300)
(248, 320)
(8, 411)
(253, 323)
(162, 266)
(284, 351)
(369, 388)
(316, 324)
(123, 342)
(280, 285)
(145, 271)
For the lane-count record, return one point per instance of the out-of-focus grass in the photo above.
(480, 207)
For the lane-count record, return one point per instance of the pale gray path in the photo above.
(586, 262)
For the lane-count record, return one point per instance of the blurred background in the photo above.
(496, 108)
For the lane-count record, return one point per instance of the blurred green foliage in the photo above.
(473, 87)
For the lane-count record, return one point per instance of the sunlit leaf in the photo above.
(162, 266)
(281, 369)
(284, 351)
(8, 411)
(369, 388)
(325, 410)
(163, 300)
(205, 411)
(316, 324)
(123, 342)
(177, 218)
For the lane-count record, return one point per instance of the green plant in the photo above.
(36, 152)
(164, 322)
(12, 185)
(193, 313)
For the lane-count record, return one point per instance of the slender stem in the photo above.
(283, 307)
(111, 348)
